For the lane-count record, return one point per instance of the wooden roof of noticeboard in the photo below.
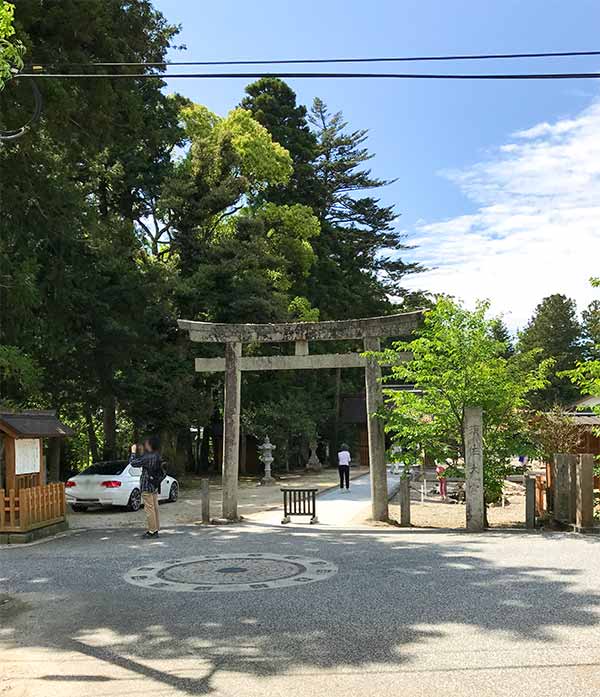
(33, 424)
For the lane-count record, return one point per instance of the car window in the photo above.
(113, 467)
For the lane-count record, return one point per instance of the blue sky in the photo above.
(497, 182)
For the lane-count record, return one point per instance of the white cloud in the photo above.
(536, 228)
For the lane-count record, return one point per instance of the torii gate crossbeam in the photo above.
(369, 331)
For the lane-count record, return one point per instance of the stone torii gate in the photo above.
(369, 331)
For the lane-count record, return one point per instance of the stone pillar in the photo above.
(562, 486)
(584, 493)
(529, 502)
(231, 429)
(473, 435)
(374, 390)
(404, 492)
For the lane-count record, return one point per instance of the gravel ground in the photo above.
(252, 498)
(408, 612)
(435, 513)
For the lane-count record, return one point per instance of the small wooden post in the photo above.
(530, 502)
(205, 500)
(404, 501)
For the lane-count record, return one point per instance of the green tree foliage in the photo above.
(73, 291)
(273, 104)
(555, 333)
(586, 374)
(360, 267)
(11, 49)
(501, 333)
(591, 329)
(457, 363)
(127, 208)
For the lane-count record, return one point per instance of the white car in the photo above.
(113, 483)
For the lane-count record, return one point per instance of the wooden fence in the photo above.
(28, 509)
(541, 495)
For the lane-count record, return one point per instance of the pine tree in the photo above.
(501, 333)
(359, 270)
(555, 331)
(591, 329)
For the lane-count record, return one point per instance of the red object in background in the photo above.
(69, 484)
(111, 484)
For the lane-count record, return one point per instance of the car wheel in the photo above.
(173, 492)
(135, 500)
(78, 508)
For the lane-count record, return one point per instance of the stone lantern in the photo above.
(266, 455)
(313, 464)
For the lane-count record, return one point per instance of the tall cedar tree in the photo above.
(359, 270)
(556, 333)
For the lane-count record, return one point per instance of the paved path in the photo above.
(336, 507)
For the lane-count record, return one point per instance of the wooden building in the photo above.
(29, 506)
(584, 413)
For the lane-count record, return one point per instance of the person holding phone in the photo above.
(150, 480)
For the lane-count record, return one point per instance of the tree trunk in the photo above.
(109, 418)
(91, 432)
(53, 460)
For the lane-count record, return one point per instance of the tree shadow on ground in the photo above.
(394, 591)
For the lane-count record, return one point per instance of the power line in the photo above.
(397, 76)
(14, 133)
(295, 61)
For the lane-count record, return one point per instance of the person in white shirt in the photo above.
(344, 466)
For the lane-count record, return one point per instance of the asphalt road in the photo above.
(407, 613)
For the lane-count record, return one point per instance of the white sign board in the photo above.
(27, 455)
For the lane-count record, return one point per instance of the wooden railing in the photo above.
(299, 501)
(27, 509)
(26, 481)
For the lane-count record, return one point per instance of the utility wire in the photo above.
(15, 133)
(397, 76)
(295, 61)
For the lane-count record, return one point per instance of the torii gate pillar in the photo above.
(231, 428)
(376, 435)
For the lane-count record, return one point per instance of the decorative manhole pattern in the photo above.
(231, 572)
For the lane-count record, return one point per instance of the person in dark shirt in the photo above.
(150, 479)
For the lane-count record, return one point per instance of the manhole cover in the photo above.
(231, 572)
